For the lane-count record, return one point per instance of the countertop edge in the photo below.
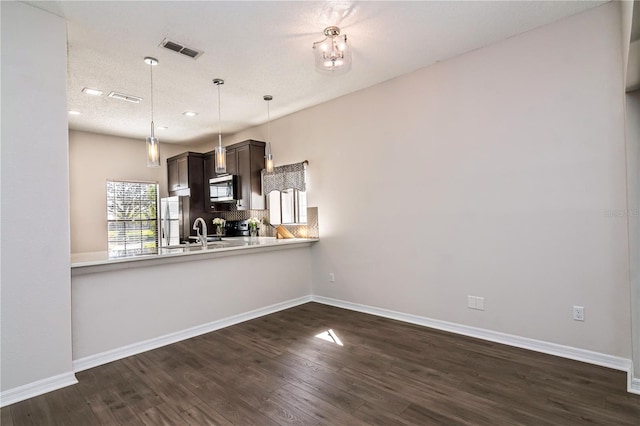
(91, 267)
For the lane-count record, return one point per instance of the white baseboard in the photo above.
(11, 396)
(146, 345)
(604, 360)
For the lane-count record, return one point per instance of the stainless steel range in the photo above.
(237, 228)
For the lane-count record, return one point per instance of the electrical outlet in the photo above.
(475, 302)
(578, 313)
(332, 278)
(471, 302)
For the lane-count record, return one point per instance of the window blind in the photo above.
(132, 222)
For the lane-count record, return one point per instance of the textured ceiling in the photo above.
(258, 48)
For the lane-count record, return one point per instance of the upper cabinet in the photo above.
(246, 160)
(185, 174)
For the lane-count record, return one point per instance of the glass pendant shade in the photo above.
(332, 55)
(221, 151)
(153, 152)
(153, 144)
(269, 163)
(268, 157)
(221, 159)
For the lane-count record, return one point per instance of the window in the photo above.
(286, 197)
(132, 223)
(288, 206)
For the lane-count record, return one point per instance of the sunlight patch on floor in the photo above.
(330, 336)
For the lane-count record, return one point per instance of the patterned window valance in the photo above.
(289, 176)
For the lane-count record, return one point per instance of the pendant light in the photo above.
(333, 55)
(153, 144)
(268, 157)
(221, 151)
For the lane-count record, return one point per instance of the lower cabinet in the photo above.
(246, 160)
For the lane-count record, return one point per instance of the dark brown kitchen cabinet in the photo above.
(246, 160)
(185, 172)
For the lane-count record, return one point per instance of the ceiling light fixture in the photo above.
(73, 112)
(153, 144)
(221, 151)
(94, 92)
(190, 113)
(333, 55)
(268, 157)
(126, 98)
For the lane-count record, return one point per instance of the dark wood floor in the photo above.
(274, 371)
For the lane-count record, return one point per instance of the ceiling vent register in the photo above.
(180, 48)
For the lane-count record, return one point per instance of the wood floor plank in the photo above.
(6, 419)
(204, 415)
(272, 406)
(161, 415)
(231, 406)
(419, 415)
(273, 370)
(69, 408)
(316, 407)
(372, 415)
(110, 409)
(34, 411)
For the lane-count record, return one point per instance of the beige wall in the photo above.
(491, 175)
(95, 158)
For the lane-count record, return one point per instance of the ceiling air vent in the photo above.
(180, 48)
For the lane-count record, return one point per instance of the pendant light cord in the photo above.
(219, 119)
(151, 70)
(268, 127)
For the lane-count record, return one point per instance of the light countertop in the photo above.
(91, 262)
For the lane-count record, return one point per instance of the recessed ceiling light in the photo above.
(73, 112)
(162, 127)
(123, 97)
(94, 92)
(190, 113)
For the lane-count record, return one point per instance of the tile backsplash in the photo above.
(308, 230)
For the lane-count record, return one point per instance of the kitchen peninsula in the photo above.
(125, 306)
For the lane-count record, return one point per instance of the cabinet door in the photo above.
(209, 167)
(209, 171)
(244, 177)
(183, 172)
(257, 164)
(172, 172)
(232, 162)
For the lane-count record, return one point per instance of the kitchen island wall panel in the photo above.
(115, 309)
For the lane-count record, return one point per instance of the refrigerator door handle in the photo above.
(166, 228)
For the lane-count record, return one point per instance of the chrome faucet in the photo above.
(202, 239)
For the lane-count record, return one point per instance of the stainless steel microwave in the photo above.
(223, 189)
